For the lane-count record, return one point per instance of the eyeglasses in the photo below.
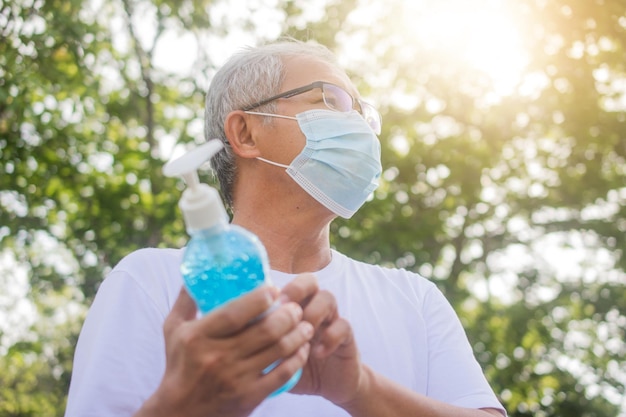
(335, 98)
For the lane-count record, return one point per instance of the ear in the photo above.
(240, 135)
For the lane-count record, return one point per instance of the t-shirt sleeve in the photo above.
(120, 354)
(454, 375)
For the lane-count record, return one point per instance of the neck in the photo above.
(295, 242)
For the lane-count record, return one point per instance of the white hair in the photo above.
(249, 76)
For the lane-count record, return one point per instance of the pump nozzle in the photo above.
(192, 160)
(201, 204)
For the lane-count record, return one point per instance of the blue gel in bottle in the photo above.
(221, 261)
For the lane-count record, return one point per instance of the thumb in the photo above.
(184, 309)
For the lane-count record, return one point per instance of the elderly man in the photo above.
(300, 149)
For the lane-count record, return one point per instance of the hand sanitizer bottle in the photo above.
(221, 261)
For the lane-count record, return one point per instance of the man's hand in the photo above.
(334, 369)
(215, 364)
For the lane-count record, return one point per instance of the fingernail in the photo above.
(283, 299)
(295, 310)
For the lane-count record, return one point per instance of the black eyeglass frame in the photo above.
(320, 85)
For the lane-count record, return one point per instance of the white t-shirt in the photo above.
(404, 327)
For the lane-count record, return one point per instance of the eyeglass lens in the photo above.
(371, 116)
(338, 99)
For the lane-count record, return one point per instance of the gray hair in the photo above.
(250, 75)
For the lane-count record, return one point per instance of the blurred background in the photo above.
(504, 146)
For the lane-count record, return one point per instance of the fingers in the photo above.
(300, 289)
(287, 345)
(338, 333)
(274, 366)
(270, 329)
(184, 309)
(321, 309)
(234, 316)
(284, 370)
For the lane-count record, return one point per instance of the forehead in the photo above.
(303, 70)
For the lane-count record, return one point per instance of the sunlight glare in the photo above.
(479, 35)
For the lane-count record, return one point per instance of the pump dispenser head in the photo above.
(201, 204)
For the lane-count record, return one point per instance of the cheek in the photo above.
(293, 141)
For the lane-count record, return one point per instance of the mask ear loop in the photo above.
(271, 115)
(267, 161)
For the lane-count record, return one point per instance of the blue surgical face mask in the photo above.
(340, 163)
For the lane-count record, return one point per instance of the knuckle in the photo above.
(227, 317)
(210, 363)
(310, 284)
(294, 292)
(170, 325)
(282, 321)
(168, 328)
(342, 331)
(271, 331)
(186, 337)
(328, 297)
(285, 346)
(303, 286)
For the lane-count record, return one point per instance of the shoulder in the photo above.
(154, 272)
(386, 273)
(142, 258)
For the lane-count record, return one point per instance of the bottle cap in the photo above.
(201, 204)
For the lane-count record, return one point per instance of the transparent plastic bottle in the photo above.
(221, 261)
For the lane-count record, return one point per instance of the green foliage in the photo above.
(468, 204)
(475, 195)
(79, 132)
